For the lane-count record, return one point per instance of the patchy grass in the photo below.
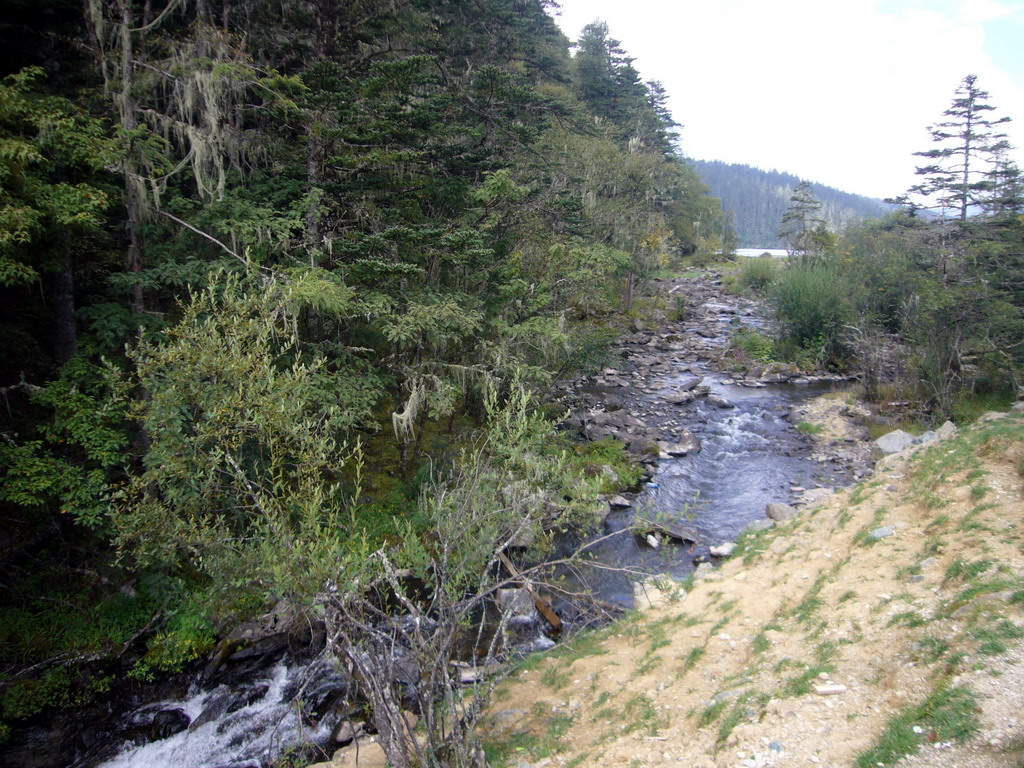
(807, 428)
(802, 684)
(641, 715)
(949, 714)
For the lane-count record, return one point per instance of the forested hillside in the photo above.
(266, 269)
(756, 200)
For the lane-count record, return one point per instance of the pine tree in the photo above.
(969, 139)
(803, 228)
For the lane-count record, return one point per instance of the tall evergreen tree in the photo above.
(803, 228)
(969, 140)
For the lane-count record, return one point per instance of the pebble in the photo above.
(829, 689)
(881, 533)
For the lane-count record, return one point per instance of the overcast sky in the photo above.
(835, 91)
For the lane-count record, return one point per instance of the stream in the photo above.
(750, 454)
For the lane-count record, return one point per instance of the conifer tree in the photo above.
(803, 228)
(968, 140)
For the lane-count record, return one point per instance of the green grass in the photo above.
(737, 714)
(949, 714)
(807, 428)
(992, 638)
(555, 677)
(803, 683)
(692, 657)
(641, 716)
(909, 619)
(962, 570)
(544, 741)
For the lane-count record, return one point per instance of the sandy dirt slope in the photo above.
(802, 648)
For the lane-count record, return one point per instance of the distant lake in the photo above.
(753, 253)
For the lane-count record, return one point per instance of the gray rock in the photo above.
(687, 384)
(688, 443)
(619, 502)
(515, 602)
(680, 398)
(814, 495)
(719, 402)
(723, 550)
(760, 525)
(778, 511)
(703, 570)
(947, 430)
(881, 533)
(894, 442)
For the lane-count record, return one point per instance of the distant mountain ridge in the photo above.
(755, 200)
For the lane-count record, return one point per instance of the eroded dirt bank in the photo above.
(804, 646)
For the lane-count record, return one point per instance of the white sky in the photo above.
(835, 91)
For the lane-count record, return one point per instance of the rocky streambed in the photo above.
(720, 440)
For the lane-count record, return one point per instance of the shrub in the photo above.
(812, 304)
(757, 274)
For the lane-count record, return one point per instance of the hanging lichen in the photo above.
(189, 92)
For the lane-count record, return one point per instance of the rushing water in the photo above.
(751, 454)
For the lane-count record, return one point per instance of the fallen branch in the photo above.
(542, 605)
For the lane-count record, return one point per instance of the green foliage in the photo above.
(185, 637)
(79, 453)
(813, 307)
(27, 698)
(754, 345)
(757, 274)
(807, 428)
(243, 450)
(43, 138)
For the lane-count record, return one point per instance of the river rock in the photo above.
(829, 689)
(688, 384)
(754, 526)
(703, 570)
(719, 402)
(363, 753)
(816, 495)
(893, 442)
(680, 398)
(655, 591)
(672, 529)
(515, 602)
(688, 443)
(778, 511)
(619, 502)
(723, 550)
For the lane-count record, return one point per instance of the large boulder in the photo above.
(778, 511)
(893, 442)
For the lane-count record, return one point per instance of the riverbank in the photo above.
(884, 618)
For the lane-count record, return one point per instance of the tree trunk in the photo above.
(129, 122)
(62, 292)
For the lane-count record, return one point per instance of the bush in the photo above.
(754, 345)
(757, 274)
(812, 304)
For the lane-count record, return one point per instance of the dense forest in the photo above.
(756, 200)
(276, 278)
